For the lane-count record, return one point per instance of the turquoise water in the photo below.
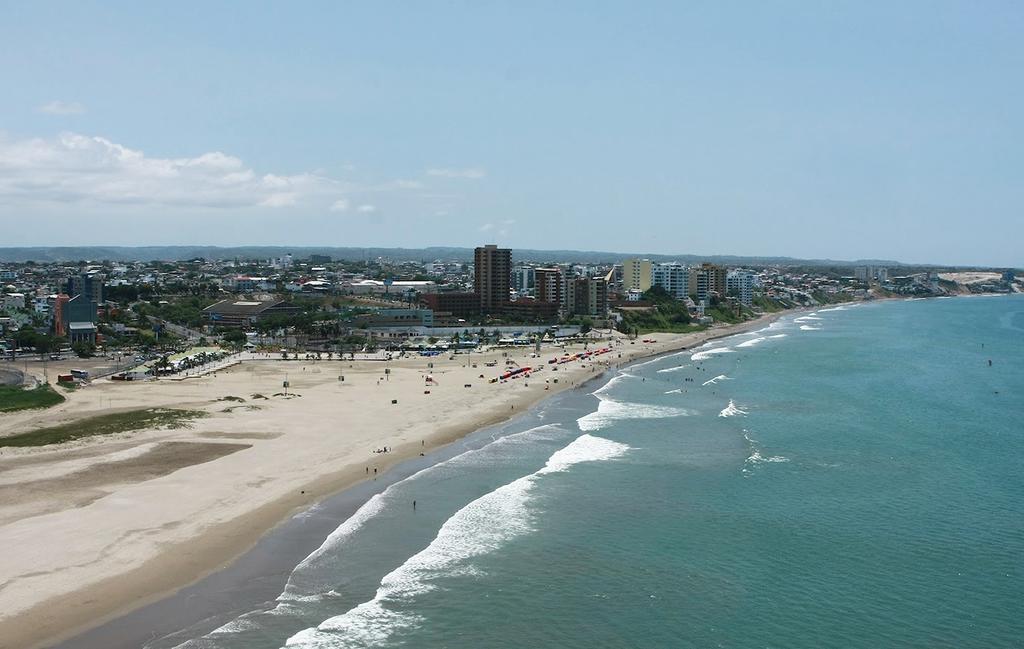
(846, 478)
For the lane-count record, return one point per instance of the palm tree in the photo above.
(163, 363)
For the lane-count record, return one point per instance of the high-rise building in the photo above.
(674, 278)
(739, 283)
(588, 296)
(87, 284)
(868, 274)
(523, 279)
(491, 277)
(85, 293)
(708, 279)
(549, 285)
(636, 273)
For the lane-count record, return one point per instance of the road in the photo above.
(182, 332)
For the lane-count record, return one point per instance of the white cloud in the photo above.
(283, 199)
(471, 173)
(74, 168)
(399, 184)
(366, 209)
(57, 107)
(501, 228)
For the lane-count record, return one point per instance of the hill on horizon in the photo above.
(183, 252)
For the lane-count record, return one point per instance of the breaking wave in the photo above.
(720, 377)
(753, 341)
(610, 411)
(708, 353)
(755, 458)
(732, 410)
(480, 527)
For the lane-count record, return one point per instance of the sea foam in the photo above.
(752, 342)
(720, 377)
(708, 353)
(311, 565)
(809, 328)
(755, 458)
(732, 410)
(480, 527)
(610, 411)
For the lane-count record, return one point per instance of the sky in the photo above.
(842, 130)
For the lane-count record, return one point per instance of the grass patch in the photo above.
(14, 398)
(120, 422)
(229, 398)
(70, 386)
(258, 396)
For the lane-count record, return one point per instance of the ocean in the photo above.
(848, 477)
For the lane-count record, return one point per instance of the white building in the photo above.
(674, 278)
(740, 283)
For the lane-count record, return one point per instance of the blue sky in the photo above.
(809, 129)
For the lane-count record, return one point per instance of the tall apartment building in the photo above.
(636, 273)
(549, 285)
(674, 278)
(491, 278)
(869, 273)
(587, 296)
(524, 279)
(707, 279)
(740, 284)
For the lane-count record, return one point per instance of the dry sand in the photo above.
(95, 528)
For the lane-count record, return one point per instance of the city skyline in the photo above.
(772, 130)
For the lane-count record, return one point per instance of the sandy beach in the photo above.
(95, 528)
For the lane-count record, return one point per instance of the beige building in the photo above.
(636, 273)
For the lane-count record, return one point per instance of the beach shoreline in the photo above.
(184, 561)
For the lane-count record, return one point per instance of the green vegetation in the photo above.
(187, 312)
(767, 305)
(15, 398)
(667, 314)
(833, 298)
(120, 422)
(43, 343)
(722, 313)
(84, 350)
(236, 336)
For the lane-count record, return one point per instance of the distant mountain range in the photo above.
(178, 253)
